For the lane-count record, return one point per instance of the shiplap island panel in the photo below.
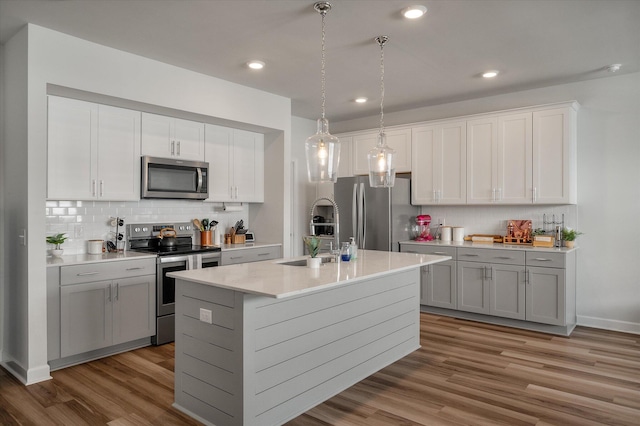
(284, 338)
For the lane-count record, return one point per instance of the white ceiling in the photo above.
(429, 61)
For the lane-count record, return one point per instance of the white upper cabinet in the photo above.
(555, 156)
(439, 166)
(170, 137)
(93, 151)
(499, 159)
(236, 164)
(399, 140)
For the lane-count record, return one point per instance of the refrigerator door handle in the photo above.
(354, 210)
(363, 217)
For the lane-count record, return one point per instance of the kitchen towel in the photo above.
(458, 233)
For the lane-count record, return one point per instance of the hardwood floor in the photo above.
(466, 373)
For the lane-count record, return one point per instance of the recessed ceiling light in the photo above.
(361, 100)
(490, 74)
(614, 67)
(414, 12)
(255, 65)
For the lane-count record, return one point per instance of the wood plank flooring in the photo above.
(466, 373)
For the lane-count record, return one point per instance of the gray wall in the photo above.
(608, 189)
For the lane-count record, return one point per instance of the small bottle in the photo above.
(345, 252)
(353, 249)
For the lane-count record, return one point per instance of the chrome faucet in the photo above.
(334, 224)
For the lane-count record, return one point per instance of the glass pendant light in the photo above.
(322, 149)
(382, 170)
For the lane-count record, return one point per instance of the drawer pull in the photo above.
(235, 257)
(542, 259)
(134, 269)
(263, 254)
(439, 252)
(504, 257)
(411, 251)
(470, 255)
(84, 274)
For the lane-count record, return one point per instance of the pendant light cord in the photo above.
(323, 13)
(381, 41)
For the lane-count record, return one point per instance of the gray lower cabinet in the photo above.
(438, 284)
(502, 284)
(100, 305)
(250, 254)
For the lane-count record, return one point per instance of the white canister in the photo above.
(94, 246)
(445, 233)
(458, 233)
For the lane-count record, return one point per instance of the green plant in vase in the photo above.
(569, 236)
(56, 240)
(313, 245)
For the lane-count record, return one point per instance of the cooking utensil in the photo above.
(167, 238)
(198, 224)
(205, 224)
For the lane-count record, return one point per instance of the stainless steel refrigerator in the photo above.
(378, 218)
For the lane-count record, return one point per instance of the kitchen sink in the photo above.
(303, 262)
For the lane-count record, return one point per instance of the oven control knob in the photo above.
(181, 228)
(145, 229)
(188, 227)
(136, 229)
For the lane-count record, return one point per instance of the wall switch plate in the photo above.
(205, 316)
(440, 221)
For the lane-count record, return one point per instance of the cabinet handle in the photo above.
(84, 274)
(535, 194)
(470, 255)
(178, 148)
(117, 290)
(109, 297)
(410, 251)
(236, 192)
(93, 187)
(439, 252)
(101, 187)
(499, 194)
(263, 254)
(493, 194)
(173, 143)
(542, 259)
(236, 257)
(134, 269)
(527, 277)
(503, 257)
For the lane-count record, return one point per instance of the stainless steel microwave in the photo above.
(177, 179)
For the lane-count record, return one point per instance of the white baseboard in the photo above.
(27, 377)
(609, 324)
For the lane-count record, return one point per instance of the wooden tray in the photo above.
(496, 238)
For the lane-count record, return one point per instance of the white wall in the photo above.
(39, 57)
(608, 189)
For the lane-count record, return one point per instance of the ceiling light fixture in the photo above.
(382, 171)
(322, 149)
(614, 67)
(414, 12)
(490, 74)
(255, 65)
(361, 100)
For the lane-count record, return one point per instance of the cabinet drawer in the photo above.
(250, 255)
(546, 259)
(429, 249)
(106, 271)
(505, 257)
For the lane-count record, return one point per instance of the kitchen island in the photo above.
(261, 343)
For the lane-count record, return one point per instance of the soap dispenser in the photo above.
(354, 248)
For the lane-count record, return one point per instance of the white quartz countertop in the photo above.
(77, 259)
(230, 247)
(495, 246)
(272, 278)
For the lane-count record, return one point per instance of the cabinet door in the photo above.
(545, 295)
(399, 140)
(188, 140)
(438, 285)
(134, 308)
(473, 287)
(482, 160)
(157, 135)
(218, 146)
(85, 317)
(439, 169)
(554, 156)
(118, 153)
(71, 149)
(248, 166)
(507, 291)
(345, 167)
(515, 163)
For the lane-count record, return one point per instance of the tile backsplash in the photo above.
(493, 219)
(87, 220)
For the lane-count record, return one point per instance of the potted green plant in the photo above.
(56, 240)
(569, 236)
(313, 246)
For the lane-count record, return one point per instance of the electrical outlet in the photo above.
(440, 221)
(205, 316)
(78, 231)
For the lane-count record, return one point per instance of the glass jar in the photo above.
(345, 252)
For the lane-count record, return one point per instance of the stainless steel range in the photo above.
(180, 255)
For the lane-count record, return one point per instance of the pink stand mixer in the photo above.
(424, 221)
